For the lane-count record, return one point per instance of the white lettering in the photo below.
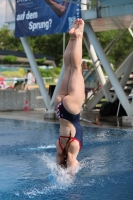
(20, 16)
(40, 25)
(30, 15)
(23, 1)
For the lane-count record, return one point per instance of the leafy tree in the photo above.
(48, 44)
(8, 42)
(122, 48)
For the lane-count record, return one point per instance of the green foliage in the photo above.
(60, 63)
(22, 71)
(8, 42)
(122, 48)
(55, 72)
(40, 61)
(9, 59)
(48, 44)
(53, 45)
(89, 64)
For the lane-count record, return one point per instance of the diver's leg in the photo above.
(74, 100)
(63, 90)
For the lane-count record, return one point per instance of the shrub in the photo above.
(10, 59)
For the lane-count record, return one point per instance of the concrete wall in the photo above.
(11, 100)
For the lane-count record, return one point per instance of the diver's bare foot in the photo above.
(77, 29)
(75, 25)
(80, 29)
(72, 30)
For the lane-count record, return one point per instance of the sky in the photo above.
(2, 12)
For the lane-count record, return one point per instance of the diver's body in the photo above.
(70, 98)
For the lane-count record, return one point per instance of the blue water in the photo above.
(28, 169)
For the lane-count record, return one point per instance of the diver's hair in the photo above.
(63, 160)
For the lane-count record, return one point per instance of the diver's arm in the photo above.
(56, 7)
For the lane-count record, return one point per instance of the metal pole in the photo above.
(36, 72)
(98, 69)
(128, 68)
(64, 35)
(112, 41)
(130, 32)
(60, 77)
(57, 86)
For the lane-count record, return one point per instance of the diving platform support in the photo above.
(36, 72)
(113, 79)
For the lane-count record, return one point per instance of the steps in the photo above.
(127, 89)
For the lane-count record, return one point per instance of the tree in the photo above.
(122, 48)
(8, 42)
(53, 45)
(48, 44)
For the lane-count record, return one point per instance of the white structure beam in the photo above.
(97, 67)
(113, 79)
(119, 72)
(36, 72)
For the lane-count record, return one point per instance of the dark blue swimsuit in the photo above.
(74, 119)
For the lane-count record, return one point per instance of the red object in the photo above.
(96, 123)
(1, 80)
(26, 106)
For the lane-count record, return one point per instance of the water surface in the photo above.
(28, 169)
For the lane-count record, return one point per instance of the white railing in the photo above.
(46, 80)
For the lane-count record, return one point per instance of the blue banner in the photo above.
(39, 17)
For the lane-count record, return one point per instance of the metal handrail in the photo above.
(95, 90)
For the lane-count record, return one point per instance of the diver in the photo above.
(69, 100)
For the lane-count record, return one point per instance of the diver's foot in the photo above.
(77, 29)
(72, 30)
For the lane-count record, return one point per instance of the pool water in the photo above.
(28, 169)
